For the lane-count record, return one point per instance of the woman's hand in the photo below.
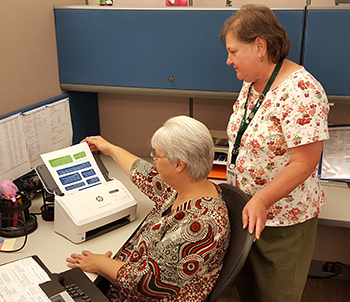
(254, 216)
(88, 261)
(101, 264)
(97, 143)
(122, 157)
(304, 160)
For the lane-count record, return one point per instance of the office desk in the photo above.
(53, 248)
(336, 211)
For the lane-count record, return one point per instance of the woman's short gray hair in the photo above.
(186, 139)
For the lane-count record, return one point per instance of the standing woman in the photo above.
(276, 134)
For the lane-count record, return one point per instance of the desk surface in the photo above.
(336, 210)
(53, 248)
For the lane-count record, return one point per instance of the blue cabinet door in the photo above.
(156, 49)
(327, 44)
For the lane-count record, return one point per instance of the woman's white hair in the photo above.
(186, 139)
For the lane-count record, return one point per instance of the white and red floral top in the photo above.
(292, 114)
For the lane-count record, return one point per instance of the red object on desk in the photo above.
(218, 171)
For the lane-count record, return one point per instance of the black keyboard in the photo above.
(76, 293)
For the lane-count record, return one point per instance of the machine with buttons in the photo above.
(92, 211)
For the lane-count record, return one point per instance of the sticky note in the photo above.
(8, 244)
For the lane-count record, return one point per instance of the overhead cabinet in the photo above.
(327, 44)
(171, 50)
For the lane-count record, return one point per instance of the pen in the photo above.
(20, 201)
(15, 214)
(9, 204)
(19, 197)
(1, 204)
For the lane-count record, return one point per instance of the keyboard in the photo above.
(76, 293)
(220, 158)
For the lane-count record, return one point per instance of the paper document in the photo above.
(47, 128)
(73, 168)
(14, 160)
(335, 163)
(37, 130)
(26, 135)
(19, 281)
(61, 125)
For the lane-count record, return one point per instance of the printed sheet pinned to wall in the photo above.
(26, 135)
(335, 162)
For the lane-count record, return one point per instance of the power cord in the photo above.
(21, 231)
(331, 270)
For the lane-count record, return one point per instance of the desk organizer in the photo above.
(15, 220)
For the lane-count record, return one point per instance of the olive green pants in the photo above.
(278, 264)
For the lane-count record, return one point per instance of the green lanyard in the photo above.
(246, 120)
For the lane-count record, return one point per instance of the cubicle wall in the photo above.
(152, 49)
(327, 44)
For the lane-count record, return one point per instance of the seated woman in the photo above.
(177, 253)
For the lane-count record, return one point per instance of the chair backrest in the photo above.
(240, 242)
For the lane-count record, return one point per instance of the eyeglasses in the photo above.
(154, 156)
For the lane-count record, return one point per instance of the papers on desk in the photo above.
(335, 162)
(26, 135)
(19, 281)
(73, 168)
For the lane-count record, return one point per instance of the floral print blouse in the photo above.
(174, 255)
(292, 114)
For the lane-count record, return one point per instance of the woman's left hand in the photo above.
(254, 216)
(88, 261)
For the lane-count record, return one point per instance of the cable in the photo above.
(21, 231)
(331, 270)
(331, 267)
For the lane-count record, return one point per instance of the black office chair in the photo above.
(240, 242)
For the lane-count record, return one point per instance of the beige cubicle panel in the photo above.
(28, 53)
(214, 113)
(339, 112)
(130, 120)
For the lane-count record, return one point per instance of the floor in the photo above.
(316, 290)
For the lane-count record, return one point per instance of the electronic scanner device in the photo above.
(89, 211)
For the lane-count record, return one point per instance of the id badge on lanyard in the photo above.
(231, 177)
(231, 174)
